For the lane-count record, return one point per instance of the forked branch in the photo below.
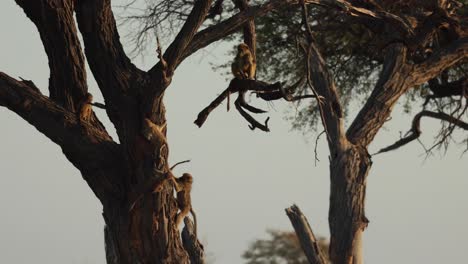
(265, 91)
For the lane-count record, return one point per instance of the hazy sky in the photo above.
(417, 207)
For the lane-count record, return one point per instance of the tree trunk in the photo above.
(347, 220)
(145, 234)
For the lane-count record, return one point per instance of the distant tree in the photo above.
(281, 247)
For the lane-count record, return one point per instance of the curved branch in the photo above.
(245, 105)
(237, 85)
(415, 131)
(253, 122)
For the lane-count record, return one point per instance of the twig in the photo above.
(316, 145)
(308, 67)
(178, 163)
(99, 105)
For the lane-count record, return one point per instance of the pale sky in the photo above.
(417, 207)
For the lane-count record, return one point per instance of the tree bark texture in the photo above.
(130, 178)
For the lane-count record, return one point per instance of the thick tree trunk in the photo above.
(145, 234)
(347, 220)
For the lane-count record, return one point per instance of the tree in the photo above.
(280, 247)
(402, 45)
(130, 177)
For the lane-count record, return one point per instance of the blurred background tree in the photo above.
(280, 247)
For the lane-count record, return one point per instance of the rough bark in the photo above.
(349, 166)
(130, 178)
(348, 173)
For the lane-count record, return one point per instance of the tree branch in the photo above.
(440, 61)
(394, 81)
(306, 236)
(175, 51)
(191, 244)
(322, 83)
(214, 33)
(88, 147)
(250, 36)
(415, 131)
(440, 90)
(111, 67)
(241, 86)
(55, 23)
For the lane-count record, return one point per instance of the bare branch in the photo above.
(253, 122)
(415, 131)
(241, 86)
(178, 163)
(306, 236)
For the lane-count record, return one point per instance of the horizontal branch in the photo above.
(87, 146)
(447, 89)
(440, 61)
(415, 131)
